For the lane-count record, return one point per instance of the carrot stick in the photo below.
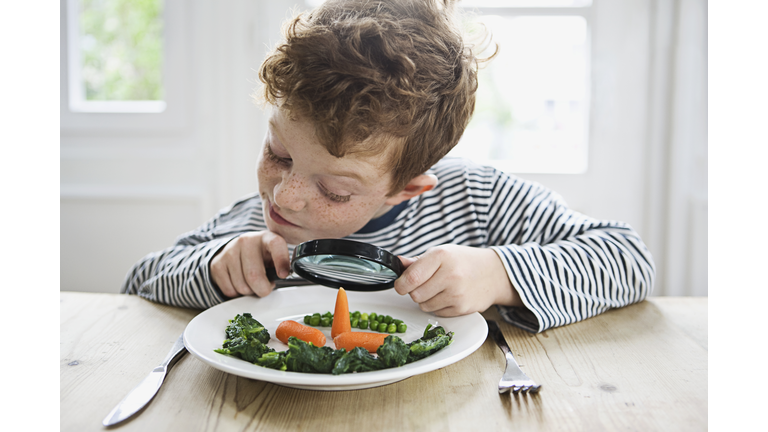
(290, 328)
(341, 322)
(367, 340)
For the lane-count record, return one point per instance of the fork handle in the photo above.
(498, 337)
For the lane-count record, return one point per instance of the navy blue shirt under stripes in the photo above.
(566, 266)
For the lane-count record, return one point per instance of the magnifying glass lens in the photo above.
(347, 269)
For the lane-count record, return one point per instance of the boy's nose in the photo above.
(288, 194)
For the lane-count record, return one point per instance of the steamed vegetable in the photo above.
(247, 349)
(433, 340)
(245, 326)
(341, 322)
(357, 360)
(366, 340)
(305, 357)
(290, 328)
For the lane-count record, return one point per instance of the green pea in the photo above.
(356, 314)
(307, 318)
(392, 328)
(325, 322)
(397, 322)
(374, 325)
(363, 324)
(382, 327)
(314, 321)
(355, 322)
(364, 316)
(372, 316)
(401, 328)
(328, 315)
(388, 319)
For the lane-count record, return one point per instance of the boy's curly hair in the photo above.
(360, 69)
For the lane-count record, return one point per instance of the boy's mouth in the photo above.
(275, 216)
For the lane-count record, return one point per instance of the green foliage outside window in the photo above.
(121, 44)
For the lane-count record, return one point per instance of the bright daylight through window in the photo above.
(115, 55)
(532, 110)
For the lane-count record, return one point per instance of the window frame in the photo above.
(170, 114)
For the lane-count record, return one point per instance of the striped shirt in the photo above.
(565, 266)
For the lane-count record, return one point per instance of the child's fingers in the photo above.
(254, 273)
(275, 248)
(419, 271)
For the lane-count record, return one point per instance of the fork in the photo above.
(513, 379)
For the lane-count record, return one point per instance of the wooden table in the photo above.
(643, 368)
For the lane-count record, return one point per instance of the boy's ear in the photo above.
(417, 186)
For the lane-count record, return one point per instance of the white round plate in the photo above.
(206, 332)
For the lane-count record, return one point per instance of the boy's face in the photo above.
(308, 193)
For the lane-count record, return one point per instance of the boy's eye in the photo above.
(334, 197)
(275, 158)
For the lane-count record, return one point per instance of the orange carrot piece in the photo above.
(341, 322)
(366, 340)
(290, 328)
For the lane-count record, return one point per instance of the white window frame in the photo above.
(170, 114)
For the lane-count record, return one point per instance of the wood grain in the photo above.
(643, 367)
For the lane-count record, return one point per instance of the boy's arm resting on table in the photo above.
(181, 275)
(177, 276)
(565, 266)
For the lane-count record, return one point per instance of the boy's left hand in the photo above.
(453, 280)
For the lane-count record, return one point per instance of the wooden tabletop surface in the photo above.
(640, 368)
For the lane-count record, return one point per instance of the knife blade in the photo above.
(140, 396)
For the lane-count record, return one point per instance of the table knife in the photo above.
(140, 396)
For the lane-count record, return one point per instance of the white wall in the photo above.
(126, 191)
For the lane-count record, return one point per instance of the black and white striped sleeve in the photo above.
(565, 266)
(180, 275)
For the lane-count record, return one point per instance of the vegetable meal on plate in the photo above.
(247, 339)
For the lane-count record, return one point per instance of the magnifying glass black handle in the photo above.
(291, 280)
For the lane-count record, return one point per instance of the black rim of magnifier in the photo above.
(347, 248)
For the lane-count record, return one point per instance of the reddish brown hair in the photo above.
(377, 69)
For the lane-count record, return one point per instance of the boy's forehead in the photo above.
(368, 167)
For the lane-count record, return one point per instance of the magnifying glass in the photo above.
(338, 263)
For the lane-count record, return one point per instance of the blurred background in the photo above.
(603, 101)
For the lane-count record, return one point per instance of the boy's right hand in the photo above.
(239, 267)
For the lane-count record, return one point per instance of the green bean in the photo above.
(401, 328)
(382, 327)
(314, 321)
(392, 328)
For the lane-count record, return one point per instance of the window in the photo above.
(115, 54)
(532, 108)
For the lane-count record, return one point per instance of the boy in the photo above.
(367, 97)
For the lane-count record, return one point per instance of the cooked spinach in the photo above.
(273, 360)
(246, 327)
(432, 341)
(247, 349)
(306, 357)
(357, 360)
(393, 353)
